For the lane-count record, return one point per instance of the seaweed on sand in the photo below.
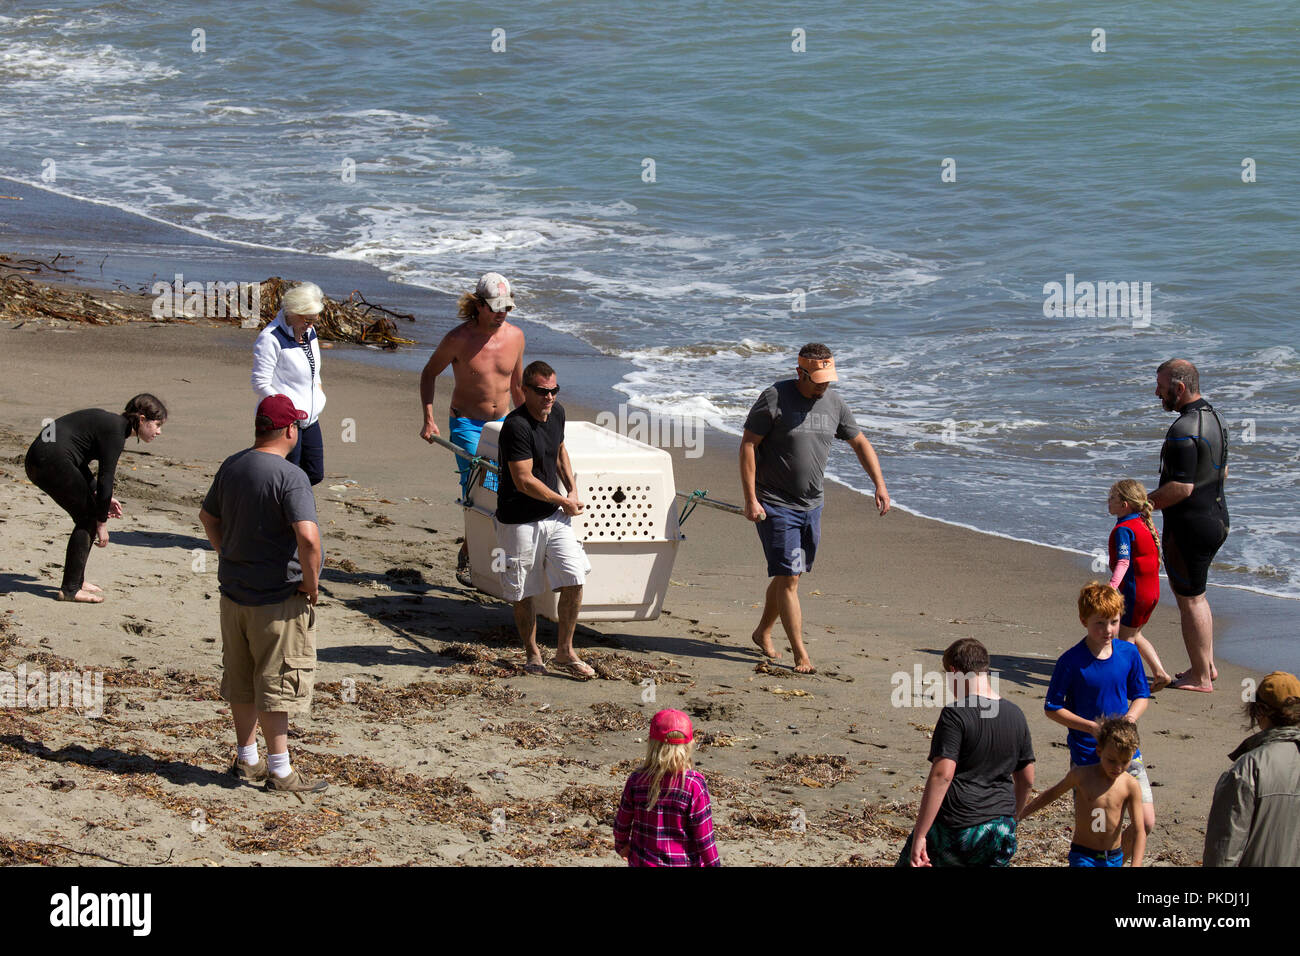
(811, 770)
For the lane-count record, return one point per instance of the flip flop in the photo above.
(1185, 685)
(535, 670)
(576, 669)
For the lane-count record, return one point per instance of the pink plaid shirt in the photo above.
(678, 832)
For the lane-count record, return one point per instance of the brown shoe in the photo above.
(294, 783)
(249, 772)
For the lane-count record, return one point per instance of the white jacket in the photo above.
(280, 367)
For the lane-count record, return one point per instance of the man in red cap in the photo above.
(783, 456)
(260, 516)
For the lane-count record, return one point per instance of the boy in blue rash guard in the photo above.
(1096, 677)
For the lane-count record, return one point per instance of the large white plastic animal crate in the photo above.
(628, 527)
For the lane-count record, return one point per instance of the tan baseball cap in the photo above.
(819, 370)
(1275, 689)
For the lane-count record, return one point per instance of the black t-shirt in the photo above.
(1195, 452)
(988, 746)
(522, 438)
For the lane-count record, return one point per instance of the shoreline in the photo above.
(1256, 626)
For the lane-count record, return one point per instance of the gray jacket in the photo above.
(1255, 817)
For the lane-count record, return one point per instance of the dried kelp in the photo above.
(811, 770)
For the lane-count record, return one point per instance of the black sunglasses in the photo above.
(545, 391)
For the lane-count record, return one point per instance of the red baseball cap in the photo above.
(671, 727)
(276, 411)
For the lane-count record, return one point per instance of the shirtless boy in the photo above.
(1102, 792)
(486, 355)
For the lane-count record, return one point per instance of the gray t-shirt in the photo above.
(259, 496)
(797, 435)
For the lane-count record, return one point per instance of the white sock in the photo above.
(278, 764)
(249, 754)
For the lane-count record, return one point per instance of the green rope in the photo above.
(692, 501)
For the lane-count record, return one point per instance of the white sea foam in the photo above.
(69, 65)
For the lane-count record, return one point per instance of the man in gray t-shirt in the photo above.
(783, 456)
(260, 517)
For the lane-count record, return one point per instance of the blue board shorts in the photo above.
(1083, 856)
(465, 433)
(790, 539)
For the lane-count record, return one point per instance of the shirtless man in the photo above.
(486, 355)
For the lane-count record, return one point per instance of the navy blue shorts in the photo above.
(790, 539)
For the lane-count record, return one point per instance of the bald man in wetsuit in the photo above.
(1193, 466)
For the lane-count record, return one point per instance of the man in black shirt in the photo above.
(538, 550)
(1193, 466)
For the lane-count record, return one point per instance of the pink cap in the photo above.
(671, 727)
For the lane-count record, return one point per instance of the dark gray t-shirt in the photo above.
(797, 434)
(259, 496)
(989, 740)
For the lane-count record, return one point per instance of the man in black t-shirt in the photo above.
(981, 771)
(537, 549)
(1193, 466)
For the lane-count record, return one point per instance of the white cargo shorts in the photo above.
(539, 556)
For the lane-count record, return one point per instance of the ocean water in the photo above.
(905, 187)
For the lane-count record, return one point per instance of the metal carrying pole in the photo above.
(701, 497)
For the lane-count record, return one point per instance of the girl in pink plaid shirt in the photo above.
(665, 817)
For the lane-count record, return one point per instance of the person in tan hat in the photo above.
(783, 454)
(1255, 817)
(486, 355)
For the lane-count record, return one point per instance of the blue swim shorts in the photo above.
(790, 539)
(1083, 856)
(465, 433)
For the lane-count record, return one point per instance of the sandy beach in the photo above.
(437, 748)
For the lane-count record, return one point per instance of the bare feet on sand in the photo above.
(81, 597)
(804, 665)
(1184, 675)
(764, 643)
(1190, 684)
(92, 588)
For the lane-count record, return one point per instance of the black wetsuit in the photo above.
(58, 463)
(1195, 452)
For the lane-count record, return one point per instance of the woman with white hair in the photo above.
(286, 361)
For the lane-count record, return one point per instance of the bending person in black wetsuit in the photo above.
(58, 463)
(1193, 466)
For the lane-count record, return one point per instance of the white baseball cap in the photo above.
(495, 291)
